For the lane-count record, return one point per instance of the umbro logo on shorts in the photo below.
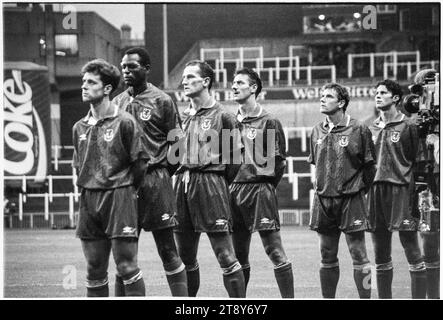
(265, 221)
(221, 222)
(165, 217)
(129, 230)
(82, 137)
(319, 141)
(358, 223)
(406, 222)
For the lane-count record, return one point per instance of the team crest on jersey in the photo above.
(343, 141)
(109, 134)
(145, 115)
(395, 136)
(252, 133)
(206, 124)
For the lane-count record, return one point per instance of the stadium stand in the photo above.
(294, 58)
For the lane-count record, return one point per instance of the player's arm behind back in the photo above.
(280, 150)
(135, 144)
(369, 160)
(236, 147)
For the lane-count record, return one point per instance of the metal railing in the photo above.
(291, 65)
(55, 161)
(393, 55)
(230, 53)
(396, 66)
(290, 70)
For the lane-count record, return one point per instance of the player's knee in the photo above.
(413, 255)
(431, 256)
(382, 256)
(126, 267)
(409, 241)
(328, 255)
(188, 259)
(241, 251)
(225, 257)
(241, 247)
(242, 255)
(96, 273)
(276, 255)
(167, 253)
(174, 266)
(430, 247)
(96, 269)
(329, 259)
(359, 256)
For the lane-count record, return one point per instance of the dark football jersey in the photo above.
(258, 165)
(344, 157)
(105, 149)
(396, 145)
(211, 141)
(156, 113)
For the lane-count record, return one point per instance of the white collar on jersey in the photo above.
(381, 124)
(192, 112)
(93, 121)
(241, 117)
(331, 125)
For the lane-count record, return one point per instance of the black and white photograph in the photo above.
(240, 152)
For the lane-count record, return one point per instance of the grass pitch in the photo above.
(50, 264)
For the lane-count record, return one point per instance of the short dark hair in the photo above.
(145, 60)
(393, 87)
(206, 70)
(254, 78)
(342, 93)
(109, 74)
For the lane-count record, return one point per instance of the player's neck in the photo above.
(390, 115)
(249, 108)
(139, 88)
(101, 109)
(204, 100)
(337, 117)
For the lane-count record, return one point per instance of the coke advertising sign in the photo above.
(27, 121)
